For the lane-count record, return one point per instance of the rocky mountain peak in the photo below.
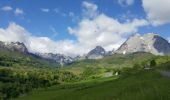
(152, 43)
(97, 53)
(59, 58)
(14, 46)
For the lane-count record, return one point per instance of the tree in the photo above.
(152, 63)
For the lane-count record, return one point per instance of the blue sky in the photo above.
(60, 21)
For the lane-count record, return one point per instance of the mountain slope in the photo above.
(13, 46)
(152, 43)
(59, 58)
(15, 54)
(97, 53)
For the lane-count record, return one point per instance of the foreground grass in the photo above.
(142, 85)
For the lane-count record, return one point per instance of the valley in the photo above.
(99, 75)
(84, 50)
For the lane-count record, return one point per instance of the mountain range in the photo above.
(151, 43)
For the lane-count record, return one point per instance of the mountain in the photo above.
(13, 46)
(152, 43)
(97, 53)
(59, 58)
(17, 47)
(78, 58)
(15, 54)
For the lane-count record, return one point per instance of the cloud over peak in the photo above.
(100, 29)
(93, 29)
(104, 31)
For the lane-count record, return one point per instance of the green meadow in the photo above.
(118, 77)
(133, 85)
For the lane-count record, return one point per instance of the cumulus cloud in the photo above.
(92, 30)
(18, 11)
(157, 11)
(89, 9)
(126, 2)
(16, 33)
(104, 31)
(45, 10)
(7, 8)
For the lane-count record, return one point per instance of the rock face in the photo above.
(13, 46)
(152, 43)
(59, 58)
(96, 53)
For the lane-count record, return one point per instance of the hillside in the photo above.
(17, 59)
(131, 85)
(115, 61)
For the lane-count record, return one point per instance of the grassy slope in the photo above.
(17, 59)
(115, 61)
(143, 85)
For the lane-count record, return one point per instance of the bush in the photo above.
(15, 81)
(152, 63)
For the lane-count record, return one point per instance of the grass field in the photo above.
(116, 61)
(134, 85)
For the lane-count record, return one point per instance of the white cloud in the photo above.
(18, 11)
(157, 11)
(126, 2)
(53, 30)
(90, 9)
(168, 39)
(71, 14)
(90, 32)
(104, 31)
(59, 12)
(16, 33)
(7, 8)
(45, 10)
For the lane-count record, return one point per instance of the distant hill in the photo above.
(116, 61)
